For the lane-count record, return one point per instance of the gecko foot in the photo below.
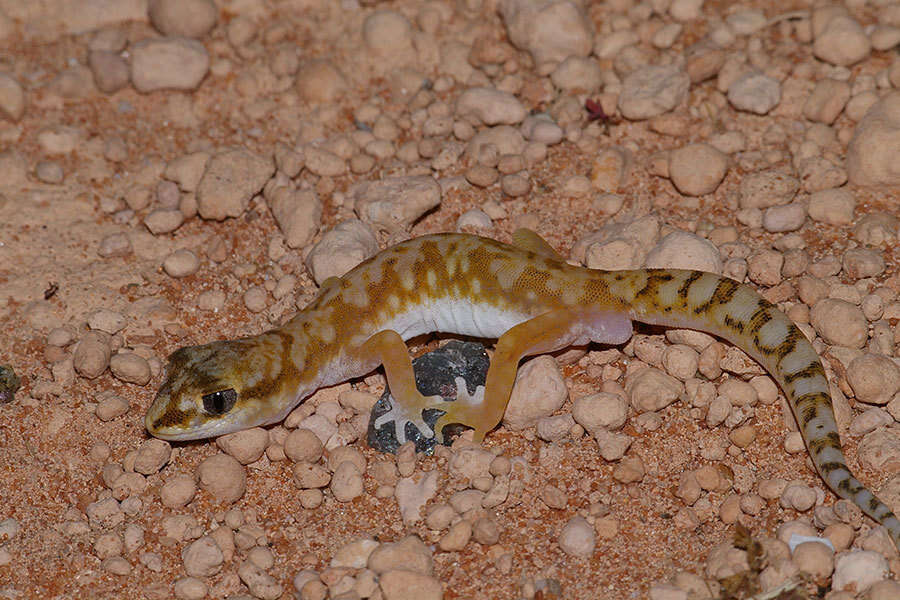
(417, 422)
(401, 415)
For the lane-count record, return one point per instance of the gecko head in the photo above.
(207, 391)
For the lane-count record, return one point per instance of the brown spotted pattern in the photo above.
(320, 346)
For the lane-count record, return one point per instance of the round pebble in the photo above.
(203, 557)
(49, 171)
(256, 298)
(577, 538)
(697, 169)
(874, 144)
(755, 93)
(168, 63)
(515, 185)
(840, 323)
(110, 70)
(186, 18)
(12, 97)
(482, 176)
(491, 106)
(177, 491)
(130, 368)
(842, 42)
(190, 588)
(245, 446)
(181, 263)
(346, 482)
(223, 477)
(92, 355)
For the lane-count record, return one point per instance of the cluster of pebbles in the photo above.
(179, 171)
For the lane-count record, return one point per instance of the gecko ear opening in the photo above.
(219, 402)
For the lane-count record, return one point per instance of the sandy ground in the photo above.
(112, 148)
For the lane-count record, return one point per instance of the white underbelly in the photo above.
(455, 316)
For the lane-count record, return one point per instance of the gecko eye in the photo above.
(219, 403)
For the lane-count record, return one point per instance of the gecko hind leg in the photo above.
(548, 332)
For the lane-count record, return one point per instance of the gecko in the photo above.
(525, 295)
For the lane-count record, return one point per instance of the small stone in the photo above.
(302, 445)
(184, 18)
(396, 202)
(48, 171)
(515, 185)
(130, 368)
(550, 32)
(324, 163)
(832, 206)
(246, 446)
(683, 250)
(481, 176)
(190, 588)
(231, 179)
(354, 555)
(309, 476)
(860, 263)
(842, 42)
(110, 70)
(491, 106)
(341, 249)
(767, 188)
(543, 131)
(473, 219)
(859, 570)
(651, 390)
(319, 82)
(652, 91)
(202, 558)
(111, 407)
(755, 93)
(456, 538)
(578, 73)
(59, 139)
(539, 391)
(163, 221)
(402, 584)
(697, 169)
(116, 565)
(187, 170)
(181, 263)
(115, 244)
(826, 101)
(609, 169)
(92, 355)
(410, 553)
(874, 378)
(814, 558)
(177, 491)
(877, 229)
(840, 323)
(298, 214)
(347, 482)
(168, 63)
(577, 538)
(387, 33)
(12, 98)
(780, 219)
(255, 299)
(223, 477)
(600, 411)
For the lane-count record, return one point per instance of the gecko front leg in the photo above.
(409, 403)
